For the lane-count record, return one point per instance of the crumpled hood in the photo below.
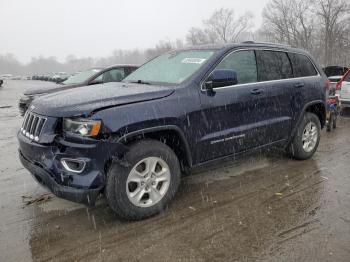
(86, 99)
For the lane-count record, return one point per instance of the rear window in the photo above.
(273, 65)
(334, 79)
(335, 70)
(302, 65)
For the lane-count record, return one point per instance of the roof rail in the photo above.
(265, 43)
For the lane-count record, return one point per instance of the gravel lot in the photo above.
(263, 207)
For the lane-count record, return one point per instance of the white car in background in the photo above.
(5, 76)
(344, 86)
(334, 80)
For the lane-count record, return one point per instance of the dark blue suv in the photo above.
(132, 140)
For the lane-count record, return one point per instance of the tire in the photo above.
(122, 192)
(298, 148)
(335, 118)
(330, 123)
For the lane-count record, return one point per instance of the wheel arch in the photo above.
(170, 135)
(318, 108)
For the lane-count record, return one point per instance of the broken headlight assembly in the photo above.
(81, 126)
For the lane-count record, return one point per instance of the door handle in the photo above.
(299, 85)
(256, 91)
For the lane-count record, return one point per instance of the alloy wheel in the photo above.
(148, 182)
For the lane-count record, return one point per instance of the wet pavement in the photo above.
(262, 207)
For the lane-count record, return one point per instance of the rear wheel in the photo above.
(146, 183)
(307, 137)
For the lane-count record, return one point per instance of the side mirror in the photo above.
(221, 78)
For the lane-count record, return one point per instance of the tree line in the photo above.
(321, 27)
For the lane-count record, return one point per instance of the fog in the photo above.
(52, 36)
(96, 28)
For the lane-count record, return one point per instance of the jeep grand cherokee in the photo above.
(132, 140)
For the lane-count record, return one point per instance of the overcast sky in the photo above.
(95, 28)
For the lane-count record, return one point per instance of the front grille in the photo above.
(32, 126)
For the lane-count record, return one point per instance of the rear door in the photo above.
(305, 86)
(275, 74)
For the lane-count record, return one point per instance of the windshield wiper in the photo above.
(140, 82)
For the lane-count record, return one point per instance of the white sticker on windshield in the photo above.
(193, 60)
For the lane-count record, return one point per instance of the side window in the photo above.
(302, 65)
(114, 75)
(273, 65)
(243, 62)
(129, 70)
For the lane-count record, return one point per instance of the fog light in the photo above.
(73, 165)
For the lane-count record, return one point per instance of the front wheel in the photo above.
(145, 183)
(307, 137)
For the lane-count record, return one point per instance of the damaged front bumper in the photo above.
(46, 162)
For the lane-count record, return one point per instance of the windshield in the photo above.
(171, 68)
(81, 77)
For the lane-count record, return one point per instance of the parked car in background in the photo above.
(132, 140)
(60, 77)
(343, 89)
(334, 83)
(48, 76)
(41, 77)
(89, 77)
(16, 77)
(5, 76)
(335, 70)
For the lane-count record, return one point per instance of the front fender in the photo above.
(149, 130)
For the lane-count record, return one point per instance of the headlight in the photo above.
(83, 127)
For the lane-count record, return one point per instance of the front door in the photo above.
(233, 116)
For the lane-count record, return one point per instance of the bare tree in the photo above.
(162, 47)
(221, 27)
(319, 26)
(333, 16)
(289, 21)
(226, 27)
